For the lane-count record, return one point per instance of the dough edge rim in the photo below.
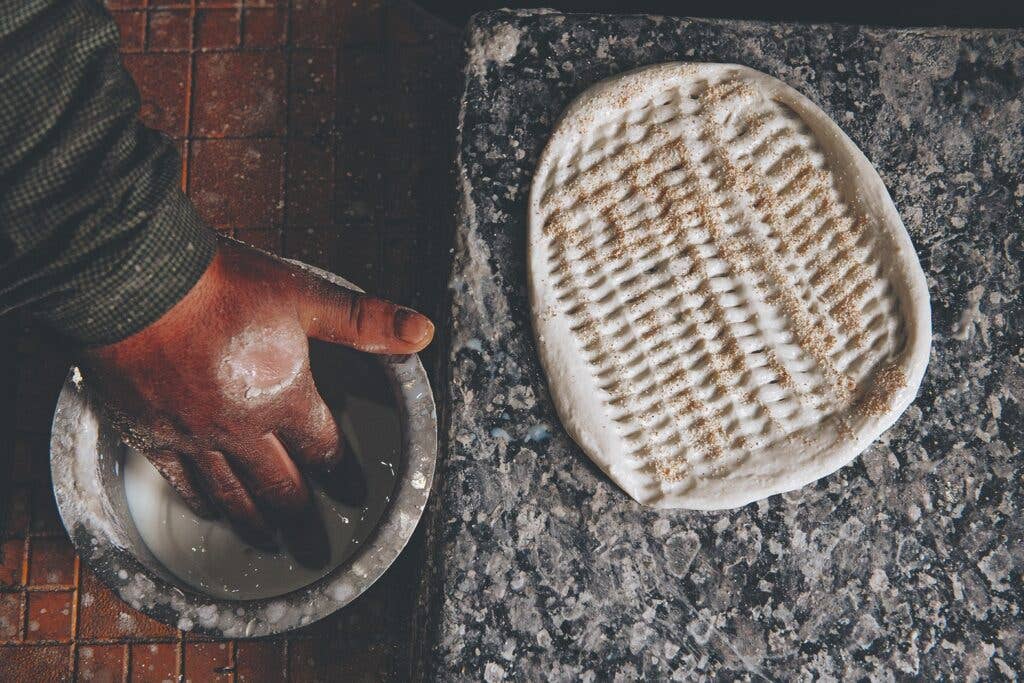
(909, 281)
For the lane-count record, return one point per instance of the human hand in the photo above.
(218, 393)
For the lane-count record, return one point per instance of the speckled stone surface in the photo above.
(908, 562)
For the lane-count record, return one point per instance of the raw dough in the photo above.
(726, 303)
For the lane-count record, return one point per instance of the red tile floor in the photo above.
(319, 129)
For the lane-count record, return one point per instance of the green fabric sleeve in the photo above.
(96, 236)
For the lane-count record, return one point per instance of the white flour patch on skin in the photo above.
(320, 415)
(262, 363)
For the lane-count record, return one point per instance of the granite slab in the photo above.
(906, 563)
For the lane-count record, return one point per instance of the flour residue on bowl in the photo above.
(208, 556)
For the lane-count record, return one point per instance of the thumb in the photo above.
(342, 316)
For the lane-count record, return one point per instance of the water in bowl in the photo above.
(211, 558)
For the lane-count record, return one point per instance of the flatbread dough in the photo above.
(726, 303)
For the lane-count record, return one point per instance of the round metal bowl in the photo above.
(86, 458)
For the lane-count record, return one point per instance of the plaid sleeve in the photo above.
(96, 237)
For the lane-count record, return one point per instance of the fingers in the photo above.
(346, 483)
(219, 481)
(276, 483)
(312, 438)
(306, 539)
(272, 477)
(179, 476)
(342, 316)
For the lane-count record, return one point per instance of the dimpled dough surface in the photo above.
(726, 303)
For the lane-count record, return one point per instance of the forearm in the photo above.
(96, 236)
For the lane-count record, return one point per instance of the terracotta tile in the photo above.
(405, 25)
(103, 615)
(361, 77)
(310, 197)
(122, 4)
(410, 118)
(360, 22)
(16, 518)
(217, 28)
(237, 183)
(45, 518)
(355, 193)
(10, 616)
(260, 662)
(51, 562)
(351, 253)
(49, 615)
(101, 663)
(37, 664)
(169, 30)
(228, 3)
(154, 662)
(311, 101)
(406, 242)
(264, 27)
(405, 170)
(132, 28)
(168, 3)
(359, 135)
(161, 79)
(302, 665)
(207, 662)
(239, 94)
(415, 86)
(36, 397)
(40, 380)
(267, 239)
(314, 661)
(313, 22)
(11, 562)
(31, 460)
(29, 340)
(310, 245)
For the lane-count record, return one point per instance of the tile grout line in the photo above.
(249, 48)
(241, 25)
(233, 659)
(287, 50)
(145, 25)
(386, 182)
(117, 640)
(23, 635)
(49, 588)
(74, 618)
(233, 231)
(185, 171)
(186, 151)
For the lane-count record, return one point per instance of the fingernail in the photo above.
(412, 327)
